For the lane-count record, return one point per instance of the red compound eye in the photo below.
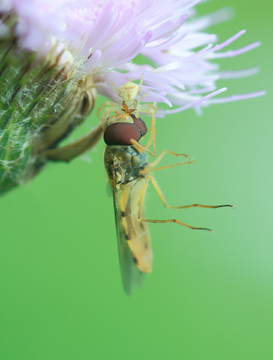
(121, 134)
(140, 124)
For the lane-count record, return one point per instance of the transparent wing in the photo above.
(129, 271)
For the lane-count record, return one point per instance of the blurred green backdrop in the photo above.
(210, 296)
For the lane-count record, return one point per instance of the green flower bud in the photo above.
(42, 101)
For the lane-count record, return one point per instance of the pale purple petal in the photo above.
(103, 38)
(238, 74)
(237, 97)
(233, 53)
(193, 103)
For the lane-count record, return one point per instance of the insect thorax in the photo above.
(125, 162)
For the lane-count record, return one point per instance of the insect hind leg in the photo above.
(141, 202)
(164, 201)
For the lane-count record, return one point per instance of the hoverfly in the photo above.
(128, 171)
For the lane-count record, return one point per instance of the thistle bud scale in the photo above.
(40, 104)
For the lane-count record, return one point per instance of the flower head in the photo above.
(67, 50)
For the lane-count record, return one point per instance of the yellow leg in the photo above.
(140, 84)
(147, 170)
(177, 222)
(110, 103)
(105, 116)
(150, 109)
(164, 152)
(141, 147)
(147, 108)
(140, 211)
(142, 197)
(152, 136)
(162, 198)
(115, 89)
(151, 168)
(143, 96)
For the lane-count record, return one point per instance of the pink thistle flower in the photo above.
(88, 45)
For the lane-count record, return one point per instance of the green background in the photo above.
(210, 296)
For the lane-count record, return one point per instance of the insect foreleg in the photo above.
(147, 108)
(142, 148)
(115, 89)
(164, 152)
(150, 109)
(151, 168)
(152, 128)
(140, 84)
(106, 114)
(110, 103)
(144, 96)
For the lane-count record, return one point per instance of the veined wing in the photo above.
(134, 245)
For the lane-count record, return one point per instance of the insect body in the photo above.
(129, 173)
(123, 164)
